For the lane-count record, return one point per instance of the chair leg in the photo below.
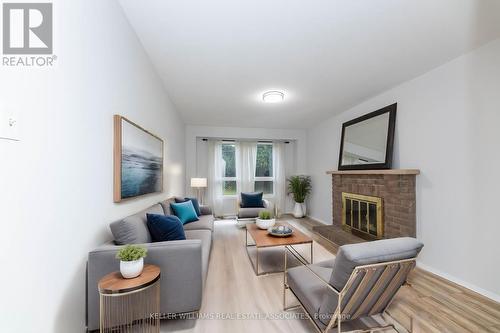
(284, 279)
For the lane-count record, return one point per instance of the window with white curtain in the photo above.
(244, 166)
(264, 177)
(229, 179)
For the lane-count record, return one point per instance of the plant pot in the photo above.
(131, 269)
(298, 210)
(265, 224)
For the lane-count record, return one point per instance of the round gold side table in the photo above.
(130, 305)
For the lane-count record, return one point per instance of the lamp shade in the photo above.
(198, 182)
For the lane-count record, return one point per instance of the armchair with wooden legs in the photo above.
(360, 282)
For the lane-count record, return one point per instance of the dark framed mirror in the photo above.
(367, 142)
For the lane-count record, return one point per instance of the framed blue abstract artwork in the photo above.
(138, 160)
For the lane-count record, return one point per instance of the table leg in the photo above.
(284, 278)
(254, 267)
(257, 263)
(312, 259)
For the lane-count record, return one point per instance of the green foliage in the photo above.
(265, 215)
(264, 163)
(228, 155)
(131, 253)
(300, 187)
(229, 187)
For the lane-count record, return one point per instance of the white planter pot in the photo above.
(265, 224)
(299, 210)
(131, 269)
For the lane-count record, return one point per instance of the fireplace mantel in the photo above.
(375, 172)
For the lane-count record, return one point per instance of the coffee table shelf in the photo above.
(263, 242)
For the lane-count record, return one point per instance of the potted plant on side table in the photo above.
(131, 260)
(300, 188)
(264, 221)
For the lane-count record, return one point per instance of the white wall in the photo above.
(448, 127)
(196, 149)
(56, 197)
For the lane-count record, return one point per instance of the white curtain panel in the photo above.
(246, 159)
(279, 177)
(215, 172)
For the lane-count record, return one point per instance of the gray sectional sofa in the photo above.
(183, 264)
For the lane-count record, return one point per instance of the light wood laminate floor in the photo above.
(232, 290)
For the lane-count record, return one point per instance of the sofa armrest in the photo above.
(181, 283)
(206, 210)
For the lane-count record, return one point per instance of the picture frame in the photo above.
(138, 159)
(386, 161)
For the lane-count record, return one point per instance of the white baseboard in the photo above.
(460, 282)
(318, 220)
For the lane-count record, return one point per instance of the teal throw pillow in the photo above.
(184, 211)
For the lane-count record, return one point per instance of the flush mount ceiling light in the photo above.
(273, 96)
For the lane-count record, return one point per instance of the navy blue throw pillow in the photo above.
(195, 202)
(165, 228)
(250, 200)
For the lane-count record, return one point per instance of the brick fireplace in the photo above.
(395, 187)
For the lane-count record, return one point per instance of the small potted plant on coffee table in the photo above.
(264, 221)
(131, 260)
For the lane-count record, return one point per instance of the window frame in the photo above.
(266, 179)
(235, 178)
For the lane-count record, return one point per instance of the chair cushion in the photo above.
(165, 227)
(133, 229)
(310, 290)
(251, 199)
(205, 222)
(184, 211)
(245, 213)
(352, 255)
(196, 205)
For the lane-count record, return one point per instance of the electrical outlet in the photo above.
(9, 126)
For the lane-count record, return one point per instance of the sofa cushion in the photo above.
(165, 227)
(251, 199)
(195, 202)
(352, 255)
(244, 213)
(166, 206)
(133, 229)
(206, 245)
(206, 210)
(205, 222)
(184, 211)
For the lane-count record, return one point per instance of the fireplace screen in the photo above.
(362, 214)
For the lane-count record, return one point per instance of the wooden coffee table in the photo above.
(263, 240)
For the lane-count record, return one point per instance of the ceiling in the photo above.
(217, 57)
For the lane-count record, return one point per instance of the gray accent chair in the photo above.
(360, 282)
(183, 263)
(248, 215)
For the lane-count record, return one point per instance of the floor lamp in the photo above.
(199, 184)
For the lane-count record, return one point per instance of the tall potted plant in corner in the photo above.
(300, 188)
